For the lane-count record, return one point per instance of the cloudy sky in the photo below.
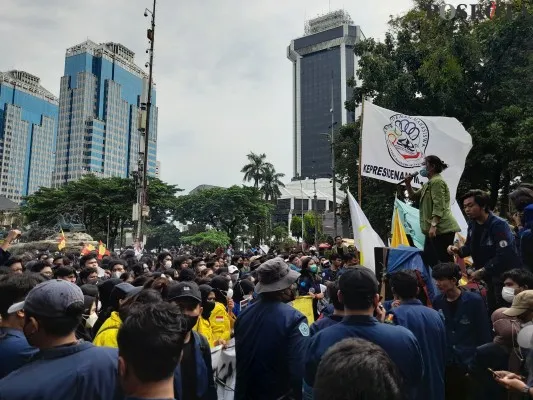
(223, 79)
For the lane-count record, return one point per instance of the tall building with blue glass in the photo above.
(323, 63)
(28, 128)
(100, 108)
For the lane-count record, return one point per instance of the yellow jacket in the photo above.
(203, 327)
(107, 334)
(221, 323)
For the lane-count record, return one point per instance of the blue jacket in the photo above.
(270, 343)
(497, 250)
(467, 330)
(525, 238)
(399, 343)
(428, 327)
(78, 372)
(323, 323)
(15, 350)
(205, 382)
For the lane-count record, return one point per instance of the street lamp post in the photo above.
(333, 162)
(142, 190)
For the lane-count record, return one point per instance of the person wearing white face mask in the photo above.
(242, 295)
(89, 318)
(118, 267)
(515, 281)
(164, 262)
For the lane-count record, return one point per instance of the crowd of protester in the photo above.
(144, 327)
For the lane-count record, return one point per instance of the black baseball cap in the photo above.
(358, 279)
(183, 290)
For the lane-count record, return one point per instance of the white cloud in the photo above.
(223, 79)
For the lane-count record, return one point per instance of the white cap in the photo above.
(15, 307)
(232, 269)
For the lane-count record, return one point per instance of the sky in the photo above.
(224, 83)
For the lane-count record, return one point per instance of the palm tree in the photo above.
(271, 183)
(254, 171)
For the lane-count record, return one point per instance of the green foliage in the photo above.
(230, 210)
(164, 236)
(296, 226)
(264, 176)
(102, 204)
(209, 240)
(478, 72)
(271, 183)
(312, 221)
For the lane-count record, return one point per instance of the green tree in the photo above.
(210, 240)
(312, 221)
(163, 235)
(296, 227)
(230, 210)
(477, 72)
(104, 205)
(255, 169)
(271, 183)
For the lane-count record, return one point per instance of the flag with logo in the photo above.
(365, 238)
(394, 145)
(62, 241)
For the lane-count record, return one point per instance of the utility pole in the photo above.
(315, 209)
(333, 162)
(142, 188)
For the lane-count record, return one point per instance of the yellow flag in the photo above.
(398, 232)
(304, 304)
(62, 241)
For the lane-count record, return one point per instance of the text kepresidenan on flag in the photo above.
(394, 145)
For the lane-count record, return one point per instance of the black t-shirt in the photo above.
(454, 305)
(188, 371)
(477, 234)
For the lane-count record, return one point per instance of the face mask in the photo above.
(208, 309)
(234, 277)
(89, 323)
(117, 274)
(248, 297)
(508, 294)
(424, 172)
(99, 306)
(230, 284)
(168, 264)
(240, 265)
(191, 321)
(313, 268)
(288, 295)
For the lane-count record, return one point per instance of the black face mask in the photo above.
(208, 309)
(240, 265)
(191, 321)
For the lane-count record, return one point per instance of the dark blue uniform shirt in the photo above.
(324, 323)
(466, 330)
(270, 344)
(15, 350)
(81, 372)
(428, 327)
(398, 342)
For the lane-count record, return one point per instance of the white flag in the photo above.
(394, 145)
(365, 237)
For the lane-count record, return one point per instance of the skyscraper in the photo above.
(324, 62)
(28, 127)
(101, 97)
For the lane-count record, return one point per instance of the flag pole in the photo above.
(359, 183)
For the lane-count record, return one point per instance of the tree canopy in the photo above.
(231, 210)
(479, 72)
(102, 204)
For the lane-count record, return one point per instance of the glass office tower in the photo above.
(28, 128)
(323, 63)
(100, 101)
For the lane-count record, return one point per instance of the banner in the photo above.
(365, 238)
(394, 145)
(304, 304)
(224, 363)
